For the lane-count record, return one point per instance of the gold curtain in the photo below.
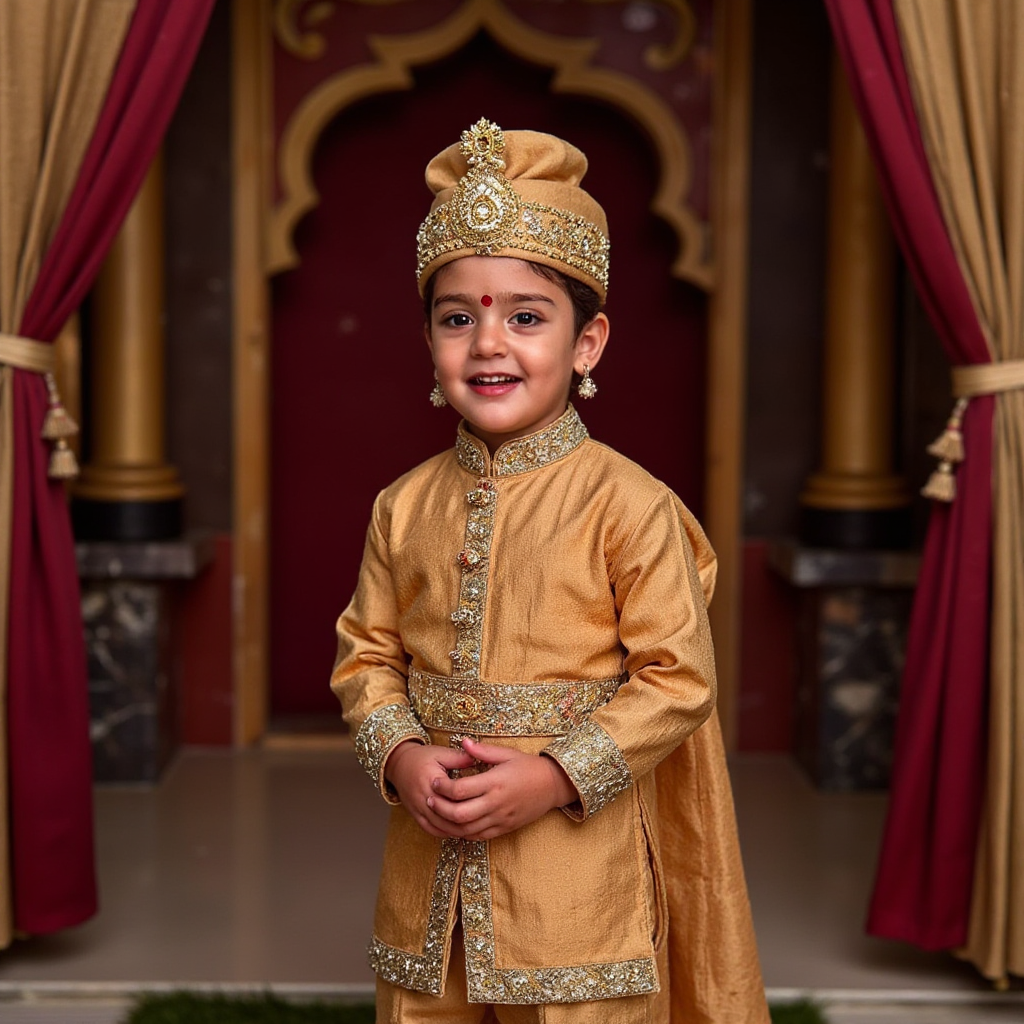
(57, 58)
(964, 60)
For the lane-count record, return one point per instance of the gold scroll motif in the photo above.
(664, 58)
(294, 22)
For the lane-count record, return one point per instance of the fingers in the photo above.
(429, 827)
(467, 814)
(425, 813)
(450, 757)
(461, 789)
(488, 752)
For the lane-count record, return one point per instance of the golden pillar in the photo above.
(127, 491)
(856, 499)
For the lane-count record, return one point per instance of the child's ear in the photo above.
(591, 342)
(427, 336)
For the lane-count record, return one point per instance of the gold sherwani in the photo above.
(552, 599)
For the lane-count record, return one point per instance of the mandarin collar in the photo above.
(522, 454)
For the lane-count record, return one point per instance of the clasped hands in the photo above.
(515, 788)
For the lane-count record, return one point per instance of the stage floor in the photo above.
(258, 869)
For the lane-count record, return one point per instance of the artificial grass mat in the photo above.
(188, 1008)
(192, 1008)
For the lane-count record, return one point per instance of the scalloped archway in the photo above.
(398, 55)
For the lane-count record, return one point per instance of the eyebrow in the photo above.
(461, 299)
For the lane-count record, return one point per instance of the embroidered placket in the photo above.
(474, 561)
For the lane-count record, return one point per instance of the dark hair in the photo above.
(586, 303)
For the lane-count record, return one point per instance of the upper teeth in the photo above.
(492, 380)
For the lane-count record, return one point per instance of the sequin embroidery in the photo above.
(474, 560)
(594, 764)
(522, 454)
(424, 972)
(382, 730)
(506, 709)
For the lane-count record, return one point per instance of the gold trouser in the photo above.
(402, 1006)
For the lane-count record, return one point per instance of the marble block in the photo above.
(127, 634)
(854, 611)
(851, 655)
(130, 592)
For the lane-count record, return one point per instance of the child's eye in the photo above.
(525, 319)
(457, 320)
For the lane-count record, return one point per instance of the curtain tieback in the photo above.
(38, 357)
(988, 378)
(968, 382)
(26, 354)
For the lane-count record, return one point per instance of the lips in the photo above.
(493, 385)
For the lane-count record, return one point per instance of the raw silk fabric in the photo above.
(595, 568)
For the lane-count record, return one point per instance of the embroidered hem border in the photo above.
(487, 983)
(506, 709)
(424, 972)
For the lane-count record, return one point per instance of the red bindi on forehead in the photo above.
(486, 300)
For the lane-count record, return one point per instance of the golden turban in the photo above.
(516, 194)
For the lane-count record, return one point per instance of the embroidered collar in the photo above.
(523, 454)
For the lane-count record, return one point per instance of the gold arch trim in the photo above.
(295, 27)
(662, 57)
(397, 55)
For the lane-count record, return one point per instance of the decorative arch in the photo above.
(397, 55)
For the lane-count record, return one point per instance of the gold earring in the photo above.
(586, 388)
(437, 399)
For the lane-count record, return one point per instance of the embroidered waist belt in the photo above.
(506, 709)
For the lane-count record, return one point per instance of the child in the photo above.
(526, 664)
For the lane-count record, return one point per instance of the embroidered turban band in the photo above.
(517, 194)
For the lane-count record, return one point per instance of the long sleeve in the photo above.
(369, 674)
(662, 579)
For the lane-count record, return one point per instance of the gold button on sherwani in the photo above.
(550, 598)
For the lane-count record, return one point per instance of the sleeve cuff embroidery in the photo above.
(382, 731)
(595, 766)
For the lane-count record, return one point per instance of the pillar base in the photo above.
(127, 520)
(883, 529)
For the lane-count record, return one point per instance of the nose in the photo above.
(489, 337)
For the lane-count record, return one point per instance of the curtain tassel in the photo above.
(63, 464)
(58, 426)
(949, 445)
(941, 484)
(948, 448)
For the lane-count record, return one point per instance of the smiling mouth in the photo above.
(484, 380)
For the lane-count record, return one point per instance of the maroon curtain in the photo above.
(47, 702)
(925, 872)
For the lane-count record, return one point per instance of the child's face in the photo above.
(503, 346)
